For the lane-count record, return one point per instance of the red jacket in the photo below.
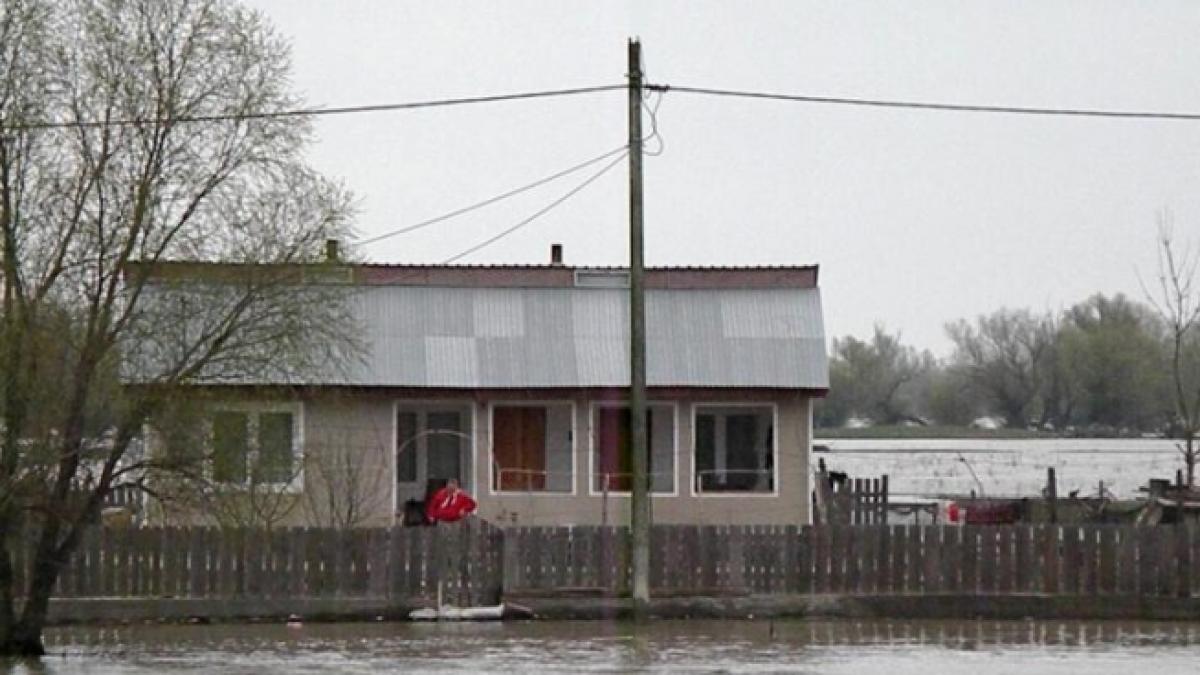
(449, 506)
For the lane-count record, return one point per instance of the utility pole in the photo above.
(639, 508)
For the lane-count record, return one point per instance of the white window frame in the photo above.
(491, 455)
(774, 492)
(591, 454)
(436, 405)
(296, 408)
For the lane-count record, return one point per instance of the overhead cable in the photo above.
(540, 212)
(921, 105)
(305, 112)
(493, 200)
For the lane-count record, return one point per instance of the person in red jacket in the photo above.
(449, 504)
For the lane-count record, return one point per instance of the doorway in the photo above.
(433, 444)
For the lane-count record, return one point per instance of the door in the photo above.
(431, 445)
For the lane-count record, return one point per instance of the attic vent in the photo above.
(602, 278)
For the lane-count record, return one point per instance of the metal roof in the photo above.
(454, 337)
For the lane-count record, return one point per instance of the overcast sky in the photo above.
(915, 217)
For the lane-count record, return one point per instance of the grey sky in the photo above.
(916, 218)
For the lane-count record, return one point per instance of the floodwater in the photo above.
(697, 646)
(930, 468)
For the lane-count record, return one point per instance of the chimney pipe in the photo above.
(331, 251)
(556, 254)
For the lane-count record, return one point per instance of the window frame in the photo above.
(572, 406)
(593, 450)
(255, 410)
(697, 410)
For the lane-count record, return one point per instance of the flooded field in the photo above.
(900, 647)
(1006, 468)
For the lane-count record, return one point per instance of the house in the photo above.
(513, 379)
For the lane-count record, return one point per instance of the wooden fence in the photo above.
(474, 562)
(850, 501)
(1064, 560)
(396, 563)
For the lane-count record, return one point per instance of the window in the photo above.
(257, 446)
(532, 448)
(735, 449)
(612, 459)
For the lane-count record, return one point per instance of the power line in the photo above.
(493, 200)
(920, 105)
(540, 212)
(305, 112)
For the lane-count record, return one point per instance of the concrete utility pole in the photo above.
(639, 508)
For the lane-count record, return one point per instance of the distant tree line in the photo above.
(1106, 365)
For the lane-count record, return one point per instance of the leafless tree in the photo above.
(1176, 299)
(127, 141)
(344, 484)
(1005, 357)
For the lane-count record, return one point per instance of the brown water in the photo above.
(894, 647)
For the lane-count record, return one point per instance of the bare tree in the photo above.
(1177, 303)
(347, 483)
(344, 486)
(128, 139)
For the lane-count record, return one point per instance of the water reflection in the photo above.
(982, 647)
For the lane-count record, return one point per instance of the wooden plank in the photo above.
(1195, 557)
(253, 550)
(123, 557)
(1071, 560)
(868, 556)
(1147, 561)
(897, 536)
(1107, 560)
(89, 578)
(1091, 559)
(1050, 545)
(883, 558)
(197, 576)
(1183, 558)
(398, 559)
(736, 560)
(1023, 559)
(296, 561)
(1005, 574)
(1165, 537)
(931, 577)
(1127, 559)
(173, 554)
(989, 551)
(837, 559)
(970, 558)
(377, 562)
(822, 547)
(788, 574)
(851, 578)
(803, 571)
(952, 555)
(914, 555)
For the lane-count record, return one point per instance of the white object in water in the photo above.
(486, 613)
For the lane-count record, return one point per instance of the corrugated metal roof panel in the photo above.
(421, 336)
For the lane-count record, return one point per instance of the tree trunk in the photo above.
(20, 640)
